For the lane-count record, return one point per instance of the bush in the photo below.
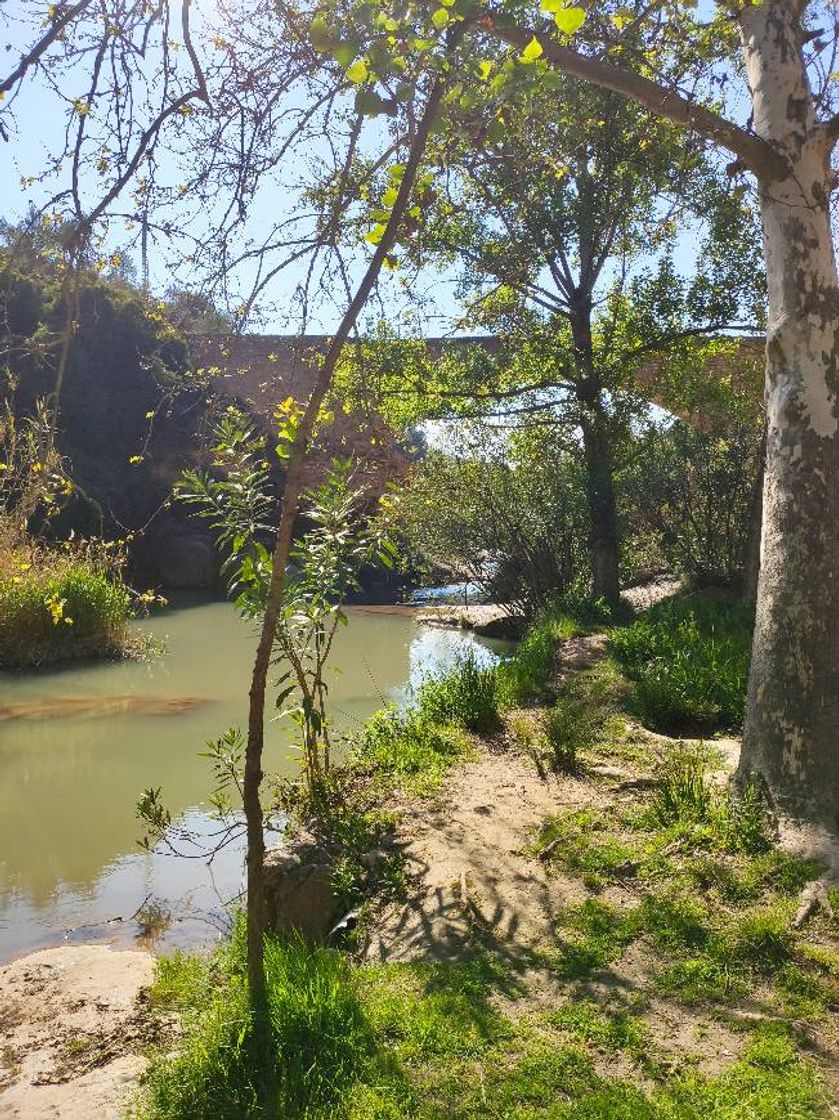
(56, 607)
(466, 697)
(575, 722)
(320, 1043)
(689, 659)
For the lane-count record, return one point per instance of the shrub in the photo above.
(466, 697)
(59, 607)
(575, 722)
(689, 660)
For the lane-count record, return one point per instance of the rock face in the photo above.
(298, 889)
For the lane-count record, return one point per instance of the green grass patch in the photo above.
(321, 1044)
(408, 750)
(525, 678)
(467, 697)
(689, 660)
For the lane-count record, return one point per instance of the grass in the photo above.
(525, 677)
(321, 1043)
(410, 751)
(55, 607)
(428, 1042)
(689, 661)
(697, 893)
(467, 697)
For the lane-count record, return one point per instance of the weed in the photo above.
(585, 842)
(746, 822)
(466, 697)
(585, 1020)
(683, 795)
(63, 608)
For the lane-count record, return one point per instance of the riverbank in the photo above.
(587, 925)
(73, 1031)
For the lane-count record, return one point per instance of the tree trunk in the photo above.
(604, 546)
(602, 506)
(793, 705)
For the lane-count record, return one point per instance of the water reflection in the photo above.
(79, 745)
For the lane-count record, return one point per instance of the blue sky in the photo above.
(41, 119)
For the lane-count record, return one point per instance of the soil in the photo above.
(72, 1029)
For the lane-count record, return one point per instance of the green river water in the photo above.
(79, 744)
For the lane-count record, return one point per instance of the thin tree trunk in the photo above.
(291, 500)
(793, 705)
(604, 545)
(602, 506)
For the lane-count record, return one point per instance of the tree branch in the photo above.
(43, 44)
(756, 154)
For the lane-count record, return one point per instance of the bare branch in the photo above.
(43, 44)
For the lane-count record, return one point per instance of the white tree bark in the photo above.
(792, 722)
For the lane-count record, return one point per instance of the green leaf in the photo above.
(440, 18)
(344, 53)
(484, 69)
(569, 20)
(369, 104)
(319, 34)
(376, 234)
(358, 72)
(532, 51)
(390, 196)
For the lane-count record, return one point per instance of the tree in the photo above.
(793, 701)
(579, 190)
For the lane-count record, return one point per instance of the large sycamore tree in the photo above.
(793, 702)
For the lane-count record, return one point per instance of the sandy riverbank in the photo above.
(71, 1030)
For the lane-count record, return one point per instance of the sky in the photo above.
(40, 126)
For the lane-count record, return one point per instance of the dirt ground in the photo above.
(70, 1032)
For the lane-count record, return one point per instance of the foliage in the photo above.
(692, 490)
(689, 659)
(58, 604)
(526, 676)
(572, 725)
(510, 519)
(683, 794)
(340, 538)
(409, 750)
(467, 696)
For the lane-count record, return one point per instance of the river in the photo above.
(79, 744)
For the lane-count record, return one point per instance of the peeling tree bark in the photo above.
(793, 706)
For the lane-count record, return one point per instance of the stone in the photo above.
(298, 889)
